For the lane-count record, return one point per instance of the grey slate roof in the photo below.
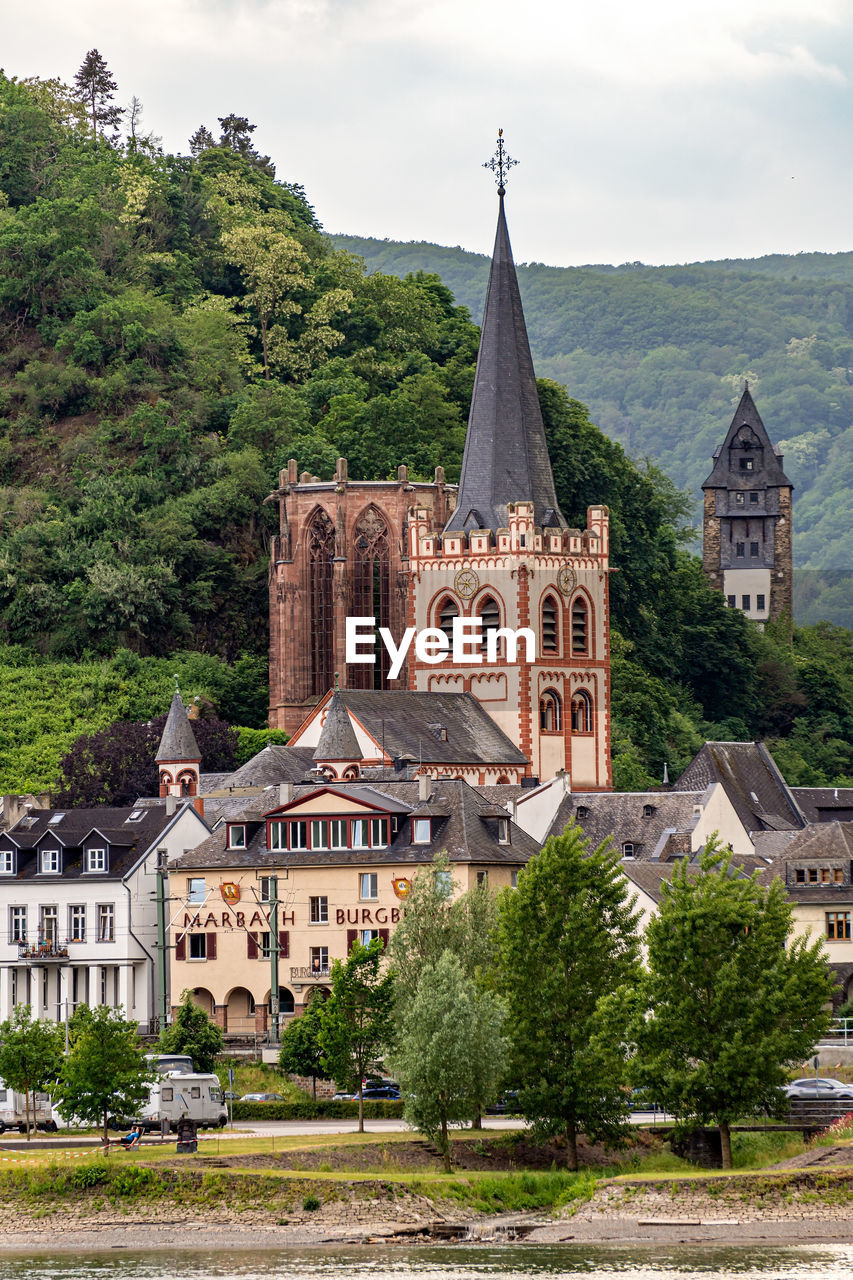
(270, 766)
(400, 721)
(127, 840)
(467, 834)
(825, 804)
(506, 455)
(618, 815)
(178, 740)
(822, 840)
(337, 739)
(761, 798)
(769, 474)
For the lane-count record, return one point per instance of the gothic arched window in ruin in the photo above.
(321, 550)
(371, 592)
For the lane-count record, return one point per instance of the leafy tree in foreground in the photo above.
(451, 1050)
(730, 999)
(567, 936)
(356, 1020)
(300, 1053)
(96, 87)
(105, 1073)
(193, 1032)
(30, 1056)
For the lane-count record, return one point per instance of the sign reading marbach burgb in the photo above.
(261, 919)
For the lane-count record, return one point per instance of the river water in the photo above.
(507, 1262)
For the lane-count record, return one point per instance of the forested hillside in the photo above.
(174, 328)
(660, 354)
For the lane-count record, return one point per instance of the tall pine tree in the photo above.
(96, 88)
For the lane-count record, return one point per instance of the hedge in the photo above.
(322, 1109)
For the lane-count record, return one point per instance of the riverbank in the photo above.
(333, 1194)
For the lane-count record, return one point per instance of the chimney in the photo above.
(285, 792)
(171, 806)
(424, 788)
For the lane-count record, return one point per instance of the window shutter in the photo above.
(181, 947)
(284, 943)
(252, 946)
(352, 934)
(385, 935)
(211, 946)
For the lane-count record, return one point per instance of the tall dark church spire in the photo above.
(506, 456)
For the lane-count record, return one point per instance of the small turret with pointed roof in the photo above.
(178, 756)
(747, 549)
(506, 454)
(338, 743)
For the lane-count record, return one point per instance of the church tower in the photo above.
(178, 757)
(506, 556)
(747, 545)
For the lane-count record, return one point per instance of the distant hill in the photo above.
(660, 354)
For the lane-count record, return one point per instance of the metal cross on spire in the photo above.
(500, 164)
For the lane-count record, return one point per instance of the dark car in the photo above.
(387, 1092)
(263, 1097)
(819, 1089)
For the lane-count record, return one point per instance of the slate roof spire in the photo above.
(337, 738)
(506, 456)
(178, 741)
(747, 438)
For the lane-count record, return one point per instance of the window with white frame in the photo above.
(198, 946)
(443, 882)
(319, 961)
(368, 885)
(196, 889)
(49, 863)
(338, 833)
(298, 835)
(358, 831)
(513, 878)
(17, 924)
(77, 924)
(96, 859)
(278, 836)
(503, 830)
(236, 836)
(366, 936)
(49, 925)
(7, 862)
(319, 834)
(378, 833)
(421, 830)
(106, 922)
(318, 910)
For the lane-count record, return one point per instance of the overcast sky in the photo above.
(663, 131)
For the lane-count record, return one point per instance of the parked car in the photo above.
(263, 1097)
(229, 1094)
(343, 1096)
(388, 1092)
(506, 1104)
(819, 1088)
(642, 1100)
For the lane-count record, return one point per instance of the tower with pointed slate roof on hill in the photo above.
(747, 545)
(178, 757)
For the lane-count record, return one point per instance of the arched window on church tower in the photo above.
(447, 611)
(580, 626)
(581, 712)
(371, 592)
(550, 625)
(551, 712)
(321, 549)
(489, 611)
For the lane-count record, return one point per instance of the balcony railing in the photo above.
(306, 973)
(43, 949)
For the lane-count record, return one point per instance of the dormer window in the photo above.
(648, 810)
(55, 820)
(503, 830)
(96, 859)
(421, 830)
(628, 849)
(581, 812)
(7, 862)
(237, 836)
(49, 863)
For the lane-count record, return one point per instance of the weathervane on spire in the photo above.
(500, 164)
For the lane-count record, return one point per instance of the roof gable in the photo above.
(747, 436)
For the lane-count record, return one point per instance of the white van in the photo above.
(13, 1111)
(180, 1095)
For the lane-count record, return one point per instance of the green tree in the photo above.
(30, 1056)
(451, 1051)
(193, 1032)
(730, 999)
(567, 936)
(96, 87)
(105, 1074)
(357, 1019)
(300, 1053)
